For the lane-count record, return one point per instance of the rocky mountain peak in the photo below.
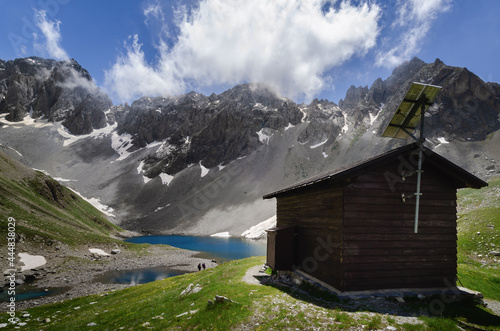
(251, 94)
(402, 76)
(405, 70)
(466, 109)
(55, 90)
(353, 96)
(211, 130)
(378, 91)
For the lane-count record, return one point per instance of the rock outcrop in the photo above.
(212, 130)
(58, 91)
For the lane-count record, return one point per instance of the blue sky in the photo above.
(301, 49)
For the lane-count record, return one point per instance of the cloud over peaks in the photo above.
(287, 44)
(51, 43)
(413, 22)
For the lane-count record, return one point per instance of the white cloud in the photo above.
(287, 44)
(131, 76)
(425, 10)
(52, 36)
(153, 10)
(414, 20)
(74, 79)
(156, 19)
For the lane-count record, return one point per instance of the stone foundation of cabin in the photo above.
(440, 295)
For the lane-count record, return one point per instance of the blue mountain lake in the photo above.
(137, 276)
(29, 292)
(220, 249)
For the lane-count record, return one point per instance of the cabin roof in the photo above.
(463, 177)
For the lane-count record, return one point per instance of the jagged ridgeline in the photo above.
(199, 164)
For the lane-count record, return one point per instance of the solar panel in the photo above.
(409, 112)
(414, 105)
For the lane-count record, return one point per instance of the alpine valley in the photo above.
(199, 165)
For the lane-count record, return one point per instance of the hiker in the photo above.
(203, 265)
(199, 266)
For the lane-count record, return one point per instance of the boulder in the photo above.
(191, 289)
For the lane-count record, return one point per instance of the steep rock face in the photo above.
(58, 91)
(212, 130)
(361, 101)
(466, 110)
(325, 122)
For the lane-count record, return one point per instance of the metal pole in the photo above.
(419, 170)
(418, 194)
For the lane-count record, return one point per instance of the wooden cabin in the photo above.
(353, 229)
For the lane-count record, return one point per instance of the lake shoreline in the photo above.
(77, 269)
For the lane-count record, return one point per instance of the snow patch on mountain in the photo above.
(121, 144)
(221, 235)
(155, 144)
(139, 168)
(161, 208)
(107, 210)
(31, 261)
(204, 171)
(442, 140)
(304, 113)
(42, 171)
(12, 149)
(166, 178)
(373, 118)
(259, 230)
(345, 128)
(319, 144)
(264, 138)
(97, 133)
(60, 179)
(27, 121)
(98, 251)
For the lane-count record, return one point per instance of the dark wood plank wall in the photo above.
(380, 250)
(317, 214)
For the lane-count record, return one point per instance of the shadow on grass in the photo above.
(467, 313)
(308, 293)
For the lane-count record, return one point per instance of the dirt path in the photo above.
(493, 305)
(253, 275)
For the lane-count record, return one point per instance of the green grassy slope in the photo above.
(478, 236)
(45, 211)
(159, 305)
